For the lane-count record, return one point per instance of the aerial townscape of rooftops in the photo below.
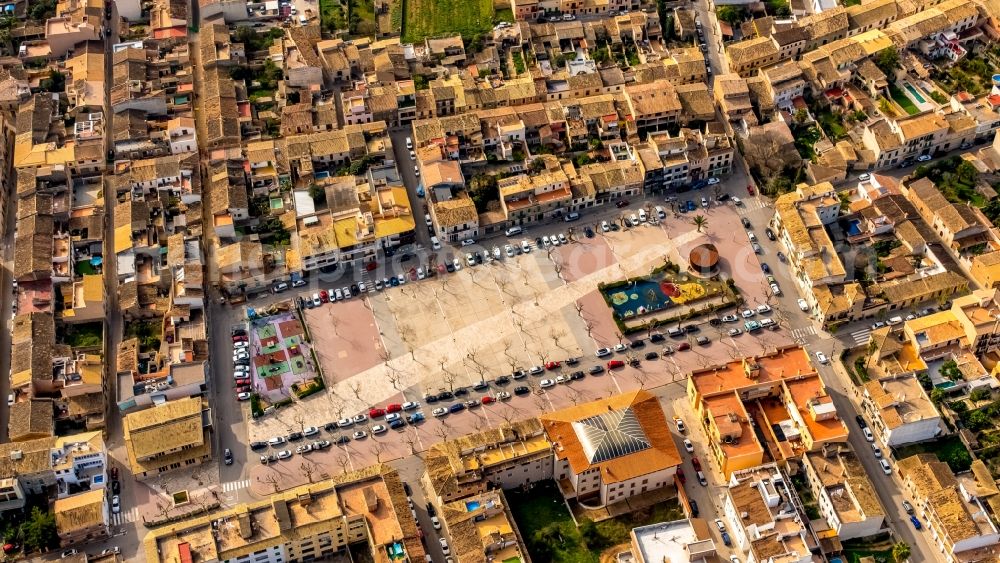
(567, 281)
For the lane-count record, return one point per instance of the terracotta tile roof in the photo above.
(626, 436)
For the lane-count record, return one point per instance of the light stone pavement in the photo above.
(525, 313)
(427, 330)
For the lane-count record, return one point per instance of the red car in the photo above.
(487, 400)
(324, 296)
(749, 189)
(683, 346)
(696, 463)
(240, 338)
(243, 381)
(244, 389)
(551, 365)
(376, 413)
(613, 364)
(395, 407)
(680, 475)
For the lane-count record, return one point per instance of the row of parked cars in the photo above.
(241, 364)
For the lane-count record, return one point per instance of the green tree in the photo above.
(950, 370)
(937, 395)
(699, 221)
(589, 532)
(980, 394)
(887, 60)
(730, 14)
(977, 420)
(483, 189)
(40, 531)
(801, 115)
(900, 552)
(537, 165)
(317, 193)
(56, 82)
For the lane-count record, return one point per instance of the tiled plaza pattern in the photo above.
(483, 321)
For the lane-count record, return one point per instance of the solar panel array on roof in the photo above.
(611, 434)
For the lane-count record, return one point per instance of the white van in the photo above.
(642, 215)
(409, 143)
(893, 321)
(279, 287)
(513, 231)
(435, 243)
(659, 211)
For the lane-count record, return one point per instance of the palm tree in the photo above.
(699, 221)
(901, 552)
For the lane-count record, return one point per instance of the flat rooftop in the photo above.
(672, 542)
(784, 364)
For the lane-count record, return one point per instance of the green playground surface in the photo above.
(299, 365)
(267, 331)
(270, 370)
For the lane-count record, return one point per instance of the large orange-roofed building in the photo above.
(611, 449)
(778, 396)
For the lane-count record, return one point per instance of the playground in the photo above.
(280, 355)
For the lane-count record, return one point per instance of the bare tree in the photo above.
(344, 462)
(411, 440)
(394, 378)
(272, 479)
(556, 335)
(589, 326)
(334, 322)
(507, 414)
(575, 396)
(579, 308)
(449, 380)
(540, 402)
(442, 432)
(355, 387)
(407, 335)
(378, 450)
(641, 377)
(309, 469)
(384, 355)
(300, 421)
(619, 336)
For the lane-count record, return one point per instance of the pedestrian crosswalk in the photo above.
(860, 337)
(803, 332)
(124, 517)
(753, 204)
(235, 485)
(231, 486)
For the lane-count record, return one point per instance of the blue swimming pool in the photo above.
(471, 505)
(913, 92)
(321, 175)
(854, 227)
